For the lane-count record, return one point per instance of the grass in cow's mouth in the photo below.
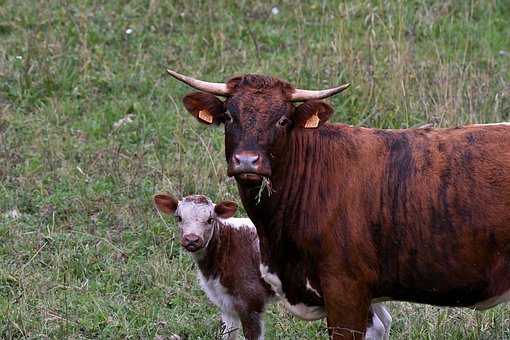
(91, 127)
(265, 185)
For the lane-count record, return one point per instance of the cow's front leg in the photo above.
(347, 310)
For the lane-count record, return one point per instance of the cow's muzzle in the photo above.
(248, 166)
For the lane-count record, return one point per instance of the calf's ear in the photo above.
(225, 209)
(311, 114)
(166, 203)
(207, 108)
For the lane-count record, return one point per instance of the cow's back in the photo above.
(445, 217)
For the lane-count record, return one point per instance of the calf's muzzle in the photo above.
(192, 242)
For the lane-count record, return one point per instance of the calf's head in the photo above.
(258, 115)
(196, 217)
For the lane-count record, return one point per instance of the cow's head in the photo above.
(258, 115)
(196, 216)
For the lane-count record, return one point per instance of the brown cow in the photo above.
(420, 215)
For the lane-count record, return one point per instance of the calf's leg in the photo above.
(231, 326)
(253, 325)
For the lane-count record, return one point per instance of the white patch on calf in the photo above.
(262, 329)
(490, 124)
(232, 325)
(217, 293)
(238, 223)
(300, 310)
(241, 223)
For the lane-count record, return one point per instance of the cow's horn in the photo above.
(219, 89)
(302, 95)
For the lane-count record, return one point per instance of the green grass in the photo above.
(83, 253)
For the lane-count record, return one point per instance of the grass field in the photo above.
(83, 254)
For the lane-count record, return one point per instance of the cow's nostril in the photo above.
(246, 159)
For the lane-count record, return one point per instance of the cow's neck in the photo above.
(296, 181)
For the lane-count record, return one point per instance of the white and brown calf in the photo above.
(226, 251)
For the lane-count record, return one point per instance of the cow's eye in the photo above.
(178, 218)
(228, 118)
(283, 122)
(210, 220)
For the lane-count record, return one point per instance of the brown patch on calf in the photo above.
(197, 199)
(166, 203)
(225, 209)
(233, 257)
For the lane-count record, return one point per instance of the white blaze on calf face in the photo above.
(196, 217)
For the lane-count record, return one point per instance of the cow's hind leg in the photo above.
(382, 313)
(379, 323)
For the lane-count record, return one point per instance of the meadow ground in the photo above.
(83, 254)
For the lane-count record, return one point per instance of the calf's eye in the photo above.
(178, 218)
(210, 220)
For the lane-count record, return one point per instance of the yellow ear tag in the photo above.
(205, 116)
(312, 122)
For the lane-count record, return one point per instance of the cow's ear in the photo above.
(166, 203)
(312, 113)
(225, 209)
(207, 108)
